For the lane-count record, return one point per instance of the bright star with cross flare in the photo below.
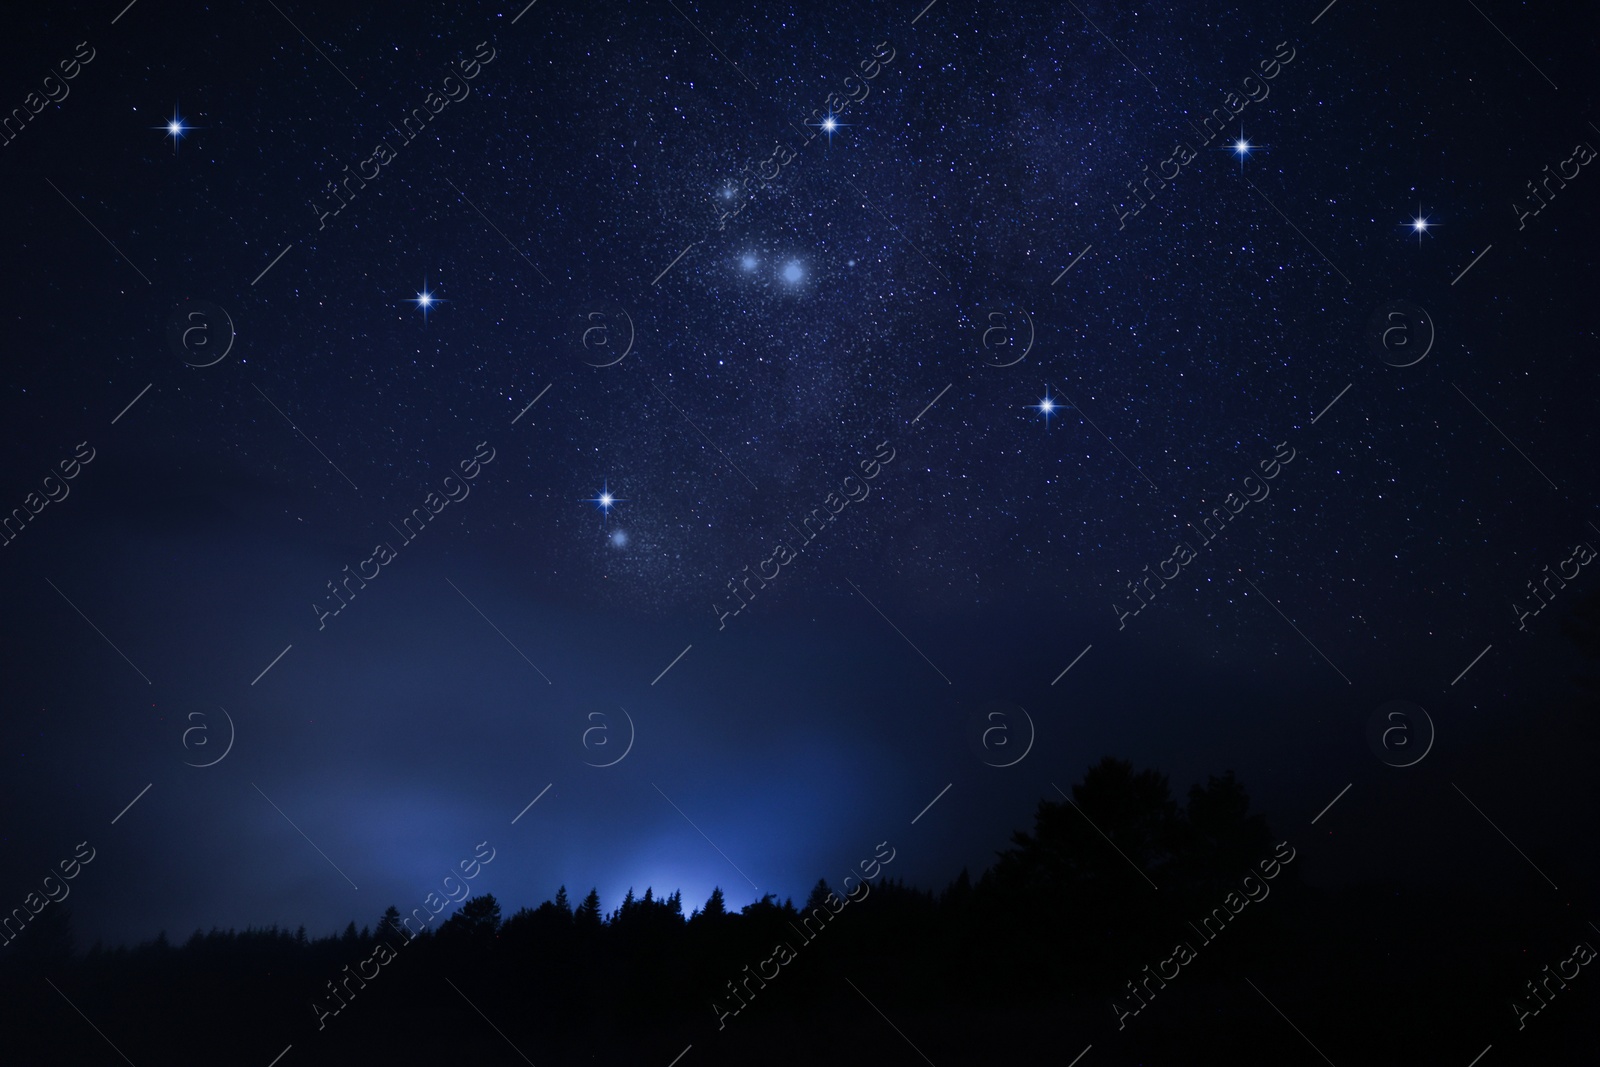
(1243, 148)
(605, 502)
(1046, 406)
(1420, 225)
(829, 125)
(425, 300)
(175, 128)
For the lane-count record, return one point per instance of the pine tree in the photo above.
(588, 915)
(389, 926)
(715, 906)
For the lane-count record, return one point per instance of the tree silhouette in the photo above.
(389, 926)
(588, 918)
(1071, 893)
(715, 907)
(628, 905)
(1117, 826)
(1220, 839)
(477, 920)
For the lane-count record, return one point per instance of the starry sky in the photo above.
(975, 289)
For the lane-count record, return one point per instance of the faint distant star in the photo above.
(793, 272)
(1046, 406)
(1420, 224)
(748, 262)
(619, 538)
(605, 502)
(425, 300)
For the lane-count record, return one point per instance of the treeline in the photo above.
(1069, 939)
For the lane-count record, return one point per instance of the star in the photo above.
(605, 502)
(1420, 224)
(1243, 148)
(1046, 406)
(793, 272)
(425, 300)
(829, 125)
(175, 128)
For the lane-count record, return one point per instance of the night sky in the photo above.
(797, 392)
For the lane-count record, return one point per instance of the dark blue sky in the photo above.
(980, 182)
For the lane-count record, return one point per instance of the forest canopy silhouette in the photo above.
(1070, 937)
